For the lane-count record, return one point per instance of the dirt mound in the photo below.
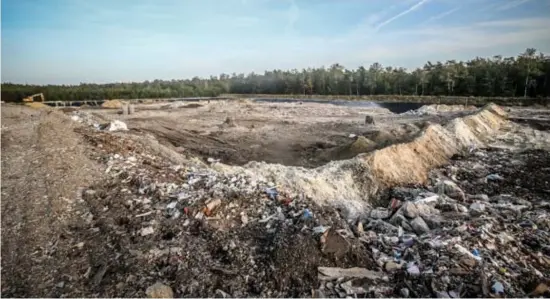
(113, 104)
(436, 109)
(37, 105)
(44, 168)
(352, 183)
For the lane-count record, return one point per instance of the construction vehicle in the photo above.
(31, 98)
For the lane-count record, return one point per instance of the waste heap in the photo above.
(480, 228)
(477, 228)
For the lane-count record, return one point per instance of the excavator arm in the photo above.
(31, 98)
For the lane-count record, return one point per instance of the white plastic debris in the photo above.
(147, 231)
(117, 125)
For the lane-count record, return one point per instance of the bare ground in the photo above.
(70, 229)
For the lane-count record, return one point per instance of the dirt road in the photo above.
(44, 166)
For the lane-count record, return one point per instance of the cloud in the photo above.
(399, 15)
(511, 4)
(441, 15)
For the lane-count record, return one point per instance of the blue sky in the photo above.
(73, 41)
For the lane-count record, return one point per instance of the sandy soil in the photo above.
(295, 134)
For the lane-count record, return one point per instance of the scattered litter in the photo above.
(147, 231)
(494, 177)
(333, 273)
(272, 193)
(497, 288)
(117, 125)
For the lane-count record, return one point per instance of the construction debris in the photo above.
(434, 217)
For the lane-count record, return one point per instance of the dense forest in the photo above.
(526, 75)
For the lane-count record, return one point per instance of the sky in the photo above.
(100, 41)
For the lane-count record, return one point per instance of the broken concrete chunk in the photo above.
(451, 189)
(419, 225)
(369, 120)
(147, 231)
(477, 209)
(159, 290)
(380, 213)
(333, 242)
(333, 273)
(117, 125)
(409, 209)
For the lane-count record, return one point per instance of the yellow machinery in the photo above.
(31, 98)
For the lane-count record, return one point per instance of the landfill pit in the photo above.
(115, 213)
(296, 134)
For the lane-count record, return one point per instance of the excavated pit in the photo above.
(292, 134)
(326, 152)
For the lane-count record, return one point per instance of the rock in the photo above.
(409, 209)
(405, 193)
(433, 221)
(159, 290)
(419, 225)
(333, 242)
(211, 205)
(147, 231)
(399, 220)
(404, 292)
(392, 266)
(117, 125)
(451, 189)
(477, 209)
(333, 273)
(480, 197)
(369, 120)
(380, 213)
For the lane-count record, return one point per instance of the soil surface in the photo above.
(86, 213)
(296, 134)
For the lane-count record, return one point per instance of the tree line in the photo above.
(526, 75)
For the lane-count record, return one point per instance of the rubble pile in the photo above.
(450, 220)
(478, 229)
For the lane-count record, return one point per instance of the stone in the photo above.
(392, 266)
(480, 197)
(409, 209)
(369, 120)
(380, 213)
(477, 209)
(159, 290)
(399, 220)
(419, 225)
(433, 221)
(147, 231)
(451, 189)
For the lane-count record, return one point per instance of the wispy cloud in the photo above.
(399, 15)
(441, 15)
(511, 4)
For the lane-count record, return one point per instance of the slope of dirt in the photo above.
(44, 167)
(352, 183)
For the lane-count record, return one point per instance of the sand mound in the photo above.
(113, 104)
(37, 105)
(353, 183)
(435, 109)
